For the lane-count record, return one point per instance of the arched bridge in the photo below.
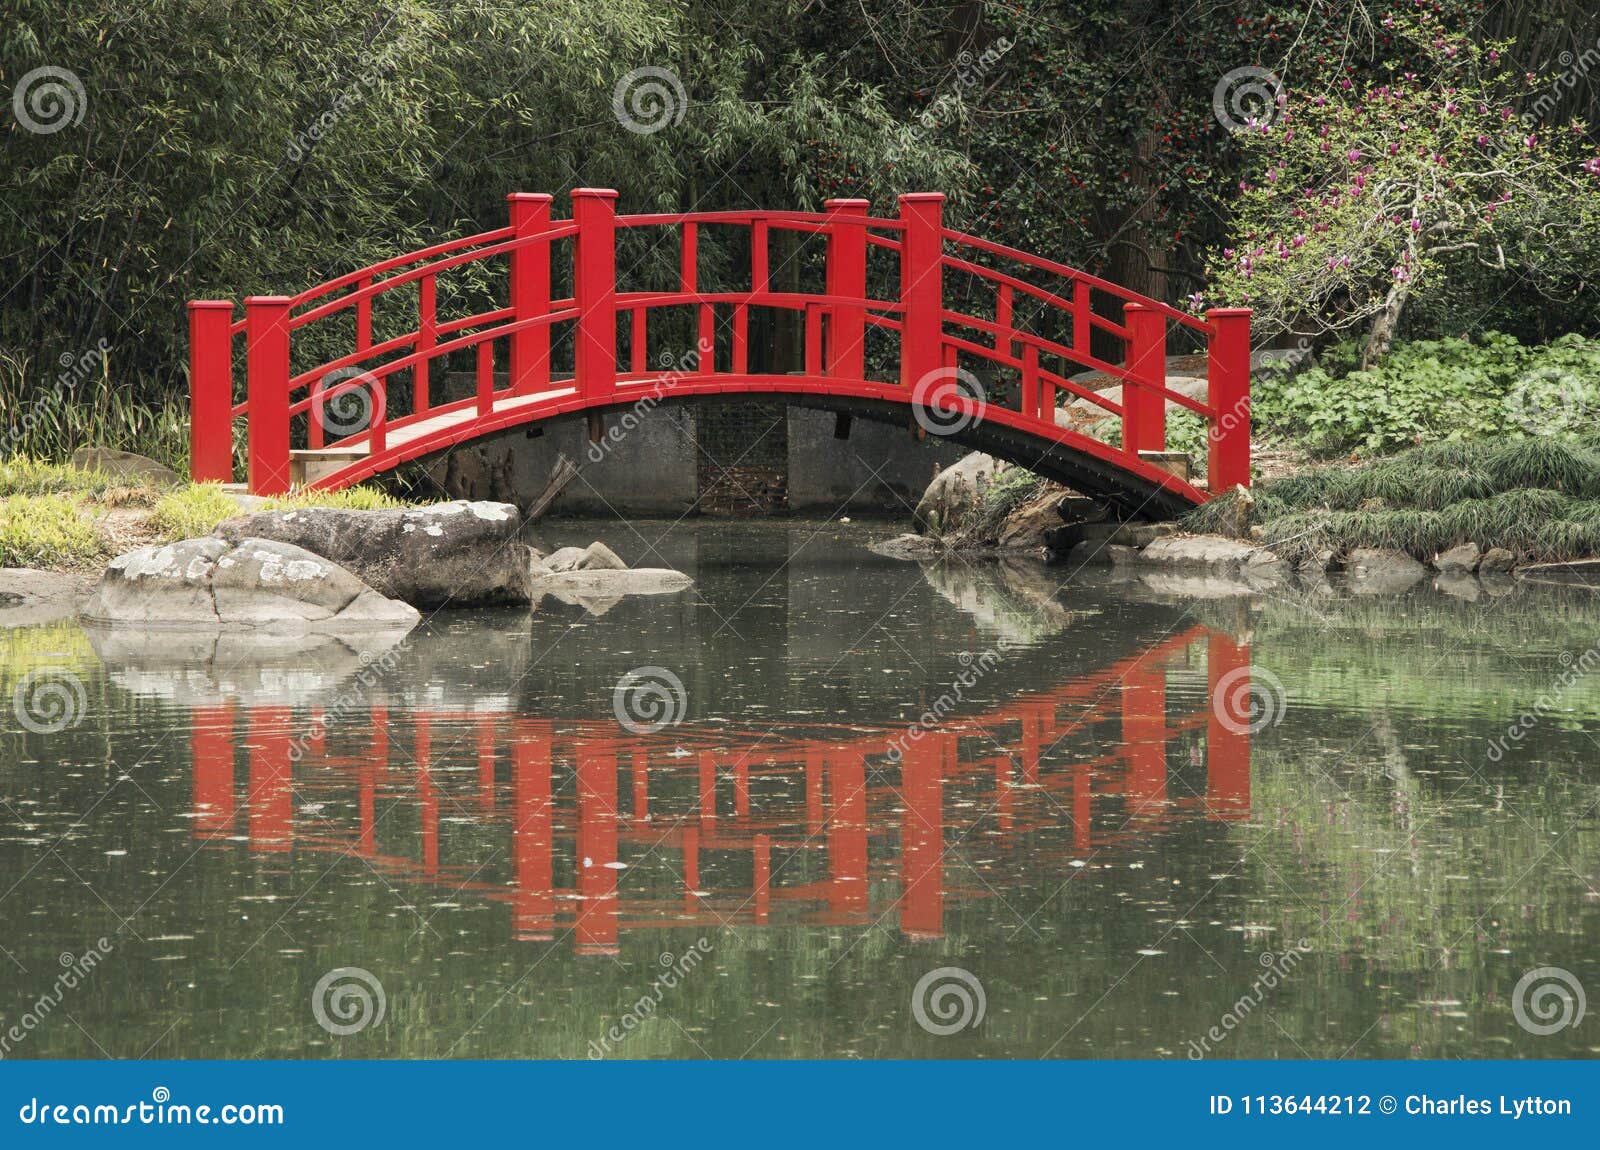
(976, 342)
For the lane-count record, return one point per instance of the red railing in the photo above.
(933, 340)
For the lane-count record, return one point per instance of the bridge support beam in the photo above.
(1228, 394)
(210, 391)
(594, 210)
(1144, 411)
(922, 289)
(266, 330)
(530, 291)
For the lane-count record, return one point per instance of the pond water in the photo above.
(823, 805)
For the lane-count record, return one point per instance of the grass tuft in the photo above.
(46, 531)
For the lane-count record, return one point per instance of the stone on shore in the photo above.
(1463, 558)
(908, 546)
(595, 557)
(125, 465)
(456, 554)
(254, 583)
(1496, 560)
(1376, 570)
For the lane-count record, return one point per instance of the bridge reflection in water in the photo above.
(798, 829)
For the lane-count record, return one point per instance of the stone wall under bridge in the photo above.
(749, 457)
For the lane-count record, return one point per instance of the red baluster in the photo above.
(847, 277)
(1144, 411)
(210, 391)
(1228, 393)
(530, 291)
(427, 337)
(594, 210)
(921, 286)
(267, 381)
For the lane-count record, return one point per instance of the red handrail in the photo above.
(933, 339)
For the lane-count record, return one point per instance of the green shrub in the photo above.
(46, 531)
(1433, 390)
(192, 511)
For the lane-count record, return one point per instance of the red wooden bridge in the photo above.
(1032, 323)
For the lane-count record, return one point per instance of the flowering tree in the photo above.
(1363, 197)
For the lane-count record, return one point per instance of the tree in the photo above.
(1361, 199)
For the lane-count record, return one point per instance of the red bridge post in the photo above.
(530, 291)
(1228, 393)
(266, 327)
(921, 287)
(595, 290)
(847, 276)
(210, 391)
(1144, 412)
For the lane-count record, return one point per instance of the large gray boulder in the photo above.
(457, 554)
(203, 584)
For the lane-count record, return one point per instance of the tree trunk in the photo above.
(1381, 337)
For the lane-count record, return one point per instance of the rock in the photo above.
(907, 546)
(956, 494)
(609, 582)
(1496, 559)
(1381, 571)
(126, 465)
(29, 598)
(255, 583)
(598, 557)
(1082, 411)
(456, 554)
(1198, 551)
(1027, 528)
(564, 559)
(1462, 559)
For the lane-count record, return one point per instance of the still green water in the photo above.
(749, 820)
